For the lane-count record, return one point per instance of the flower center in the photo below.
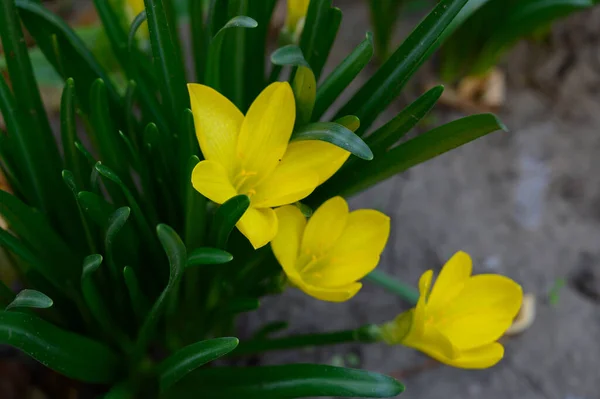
(240, 182)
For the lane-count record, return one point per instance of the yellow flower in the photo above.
(252, 155)
(296, 13)
(459, 322)
(326, 256)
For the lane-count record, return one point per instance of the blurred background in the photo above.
(525, 203)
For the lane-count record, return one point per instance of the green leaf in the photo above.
(342, 76)
(208, 256)
(288, 381)
(69, 180)
(95, 207)
(139, 302)
(97, 303)
(135, 25)
(214, 65)
(289, 55)
(226, 217)
(116, 222)
(177, 255)
(30, 299)
(70, 354)
(243, 305)
(336, 134)
(390, 133)
(66, 51)
(187, 359)
(413, 152)
(68, 131)
(385, 85)
(320, 29)
(408, 293)
(167, 59)
(384, 16)
(199, 36)
(195, 216)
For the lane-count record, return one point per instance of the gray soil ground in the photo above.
(525, 204)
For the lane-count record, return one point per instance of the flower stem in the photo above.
(404, 291)
(367, 334)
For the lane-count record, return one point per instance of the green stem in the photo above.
(404, 291)
(366, 334)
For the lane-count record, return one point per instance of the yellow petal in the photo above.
(337, 294)
(325, 227)
(218, 122)
(482, 312)
(433, 343)
(286, 243)
(287, 184)
(418, 326)
(478, 358)
(322, 157)
(259, 226)
(296, 10)
(366, 231)
(266, 130)
(342, 269)
(210, 179)
(450, 282)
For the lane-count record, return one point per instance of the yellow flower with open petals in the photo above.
(252, 155)
(296, 13)
(460, 321)
(328, 255)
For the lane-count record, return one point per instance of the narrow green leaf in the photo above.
(135, 25)
(69, 180)
(195, 215)
(188, 359)
(384, 17)
(177, 255)
(234, 61)
(199, 36)
(304, 87)
(385, 85)
(320, 29)
(408, 293)
(167, 59)
(208, 256)
(139, 302)
(217, 16)
(289, 55)
(341, 77)
(288, 381)
(70, 354)
(97, 304)
(390, 133)
(68, 131)
(116, 222)
(413, 152)
(226, 218)
(30, 299)
(336, 134)
(213, 68)
(138, 214)
(95, 207)
(66, 51)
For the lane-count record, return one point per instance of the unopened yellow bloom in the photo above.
(463, 317)
(328, 255)
(296, 13)
(252, 155)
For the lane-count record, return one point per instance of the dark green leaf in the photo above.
(167, 59)
(135, 25)
(70, 354)
(242, 305)
(30, 299)
(226, 218)
(186, 360)
(342, 76)
(285, 382)
(320, 29)
(411, 153)
(66, 51)
(304, 87)
(336, 134)
(385, 85)
(139, 302)
(214, 65)
(69, 180)
(177, 255)
(68, 130)
(195, 216)
(385, 16)
(116, 222)
(208, 256)
(199, 36)
(389, 134)
(95, 207)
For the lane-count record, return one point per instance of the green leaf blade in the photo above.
(208, 256)
(226, 218)
(30, 299)
(336, 134)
